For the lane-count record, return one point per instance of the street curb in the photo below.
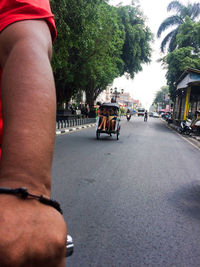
(74, 129)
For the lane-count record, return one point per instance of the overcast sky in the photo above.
(152, 78)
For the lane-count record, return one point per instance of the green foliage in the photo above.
(87, 50)
(189, 35)
(182, 12)
(96, 43)
(136, 48)
(161, 96)
(102, 66)
(178, 61)
(123, 111)
(184, 41)
(60, 61)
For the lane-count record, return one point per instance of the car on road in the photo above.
(150, 114)
(155, 115)
(141, 112)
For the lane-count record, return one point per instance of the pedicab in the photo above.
(108, 120)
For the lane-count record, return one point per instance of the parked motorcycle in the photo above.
(185, 127)
(169, 119)
(196, 127)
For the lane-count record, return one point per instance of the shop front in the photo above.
(187, 96)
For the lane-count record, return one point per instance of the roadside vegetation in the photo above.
(161, 98)
(96, 43)
(182, 43)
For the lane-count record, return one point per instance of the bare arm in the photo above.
(28, 102)
(29, 109)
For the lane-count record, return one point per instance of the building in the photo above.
(126, 100)
(123, 98)
(187, 95)
(136, 104)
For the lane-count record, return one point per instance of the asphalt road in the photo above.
(132, 202)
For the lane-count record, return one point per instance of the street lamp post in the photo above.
(115, 94)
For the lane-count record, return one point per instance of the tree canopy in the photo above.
(184, 46)
(161, 96)
(189, 35)
(96, 43)
(187, 54)
(136, 48)
(182, 12)
(178, 61)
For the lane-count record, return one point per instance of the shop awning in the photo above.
(190, 76)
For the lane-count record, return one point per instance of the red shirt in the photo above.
(1, 120)
(17, 10)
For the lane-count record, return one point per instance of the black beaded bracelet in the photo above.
(23, 193)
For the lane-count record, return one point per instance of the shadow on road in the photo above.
(187, 199)
(107, 138)
(104, 137)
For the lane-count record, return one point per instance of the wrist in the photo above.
(23, 193)
(34, 186)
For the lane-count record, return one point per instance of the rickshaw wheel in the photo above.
(98, 135)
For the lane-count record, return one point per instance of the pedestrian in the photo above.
(31, 233)
(145, 116)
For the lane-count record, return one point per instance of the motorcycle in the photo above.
(169, 119)
(128, 116)
(185, 127)
(196, 127)
(69, 246)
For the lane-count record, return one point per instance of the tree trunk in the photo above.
(68, 95)
(90, 95)
(90, 99)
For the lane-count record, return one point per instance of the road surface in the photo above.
(132, 202)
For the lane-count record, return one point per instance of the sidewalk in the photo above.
(73, 129)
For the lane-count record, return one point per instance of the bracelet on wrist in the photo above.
(23, 193)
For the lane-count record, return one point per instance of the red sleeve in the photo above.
(1, 120)
(17, 10)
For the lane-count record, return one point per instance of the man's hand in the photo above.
(31, 234)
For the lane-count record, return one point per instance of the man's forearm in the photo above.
(29, 106)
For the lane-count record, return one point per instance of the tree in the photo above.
(189, 35)
(136, 49)
(60, 61)
(187, 52)
(87, 51)
(96, 43)
(101, 67)
(178, 61)
(191, 10)
(125, 52)
(161, 96)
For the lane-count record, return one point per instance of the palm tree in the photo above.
(191, 10)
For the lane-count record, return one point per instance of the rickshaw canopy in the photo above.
(110, 105)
